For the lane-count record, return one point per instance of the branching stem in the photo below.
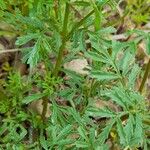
(62, 47)
(66, 36)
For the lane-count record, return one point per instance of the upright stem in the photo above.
(64, 40)
(78, 24)
(147, 70)
(59, 59)
(56, 8)
(66, 36)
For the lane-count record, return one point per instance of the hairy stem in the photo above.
(62, 47)
(147, 70)
(59, 59)
(66, 36)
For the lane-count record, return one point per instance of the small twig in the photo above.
(119, 37)
(11, 50)
(8, 50)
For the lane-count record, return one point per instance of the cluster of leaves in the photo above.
(120, 68)
(47, 29)
(139, 11)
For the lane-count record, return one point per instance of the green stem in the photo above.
(80, 23)
(91, 87)
(59, 59)
(62, 47)
(66, 36)
(97, 23)
(66, 17)
(147, 70)
(56, 8)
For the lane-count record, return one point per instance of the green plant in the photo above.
(65, 30)
(139, 11)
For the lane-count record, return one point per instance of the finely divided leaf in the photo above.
(129, 128)
(82, 133)
(34, 56)
(138, 129)
(126, 62)
(99, 75)
(96, 57)
(26, 38)
(32, 98)
(133, 75)
(81, 144)
(113, 94)
(105, 133)
(65, 131)
(121, 132)
(105, 112)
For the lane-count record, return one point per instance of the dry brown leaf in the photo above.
(101, 104)
(37, 107)
(77, 65)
